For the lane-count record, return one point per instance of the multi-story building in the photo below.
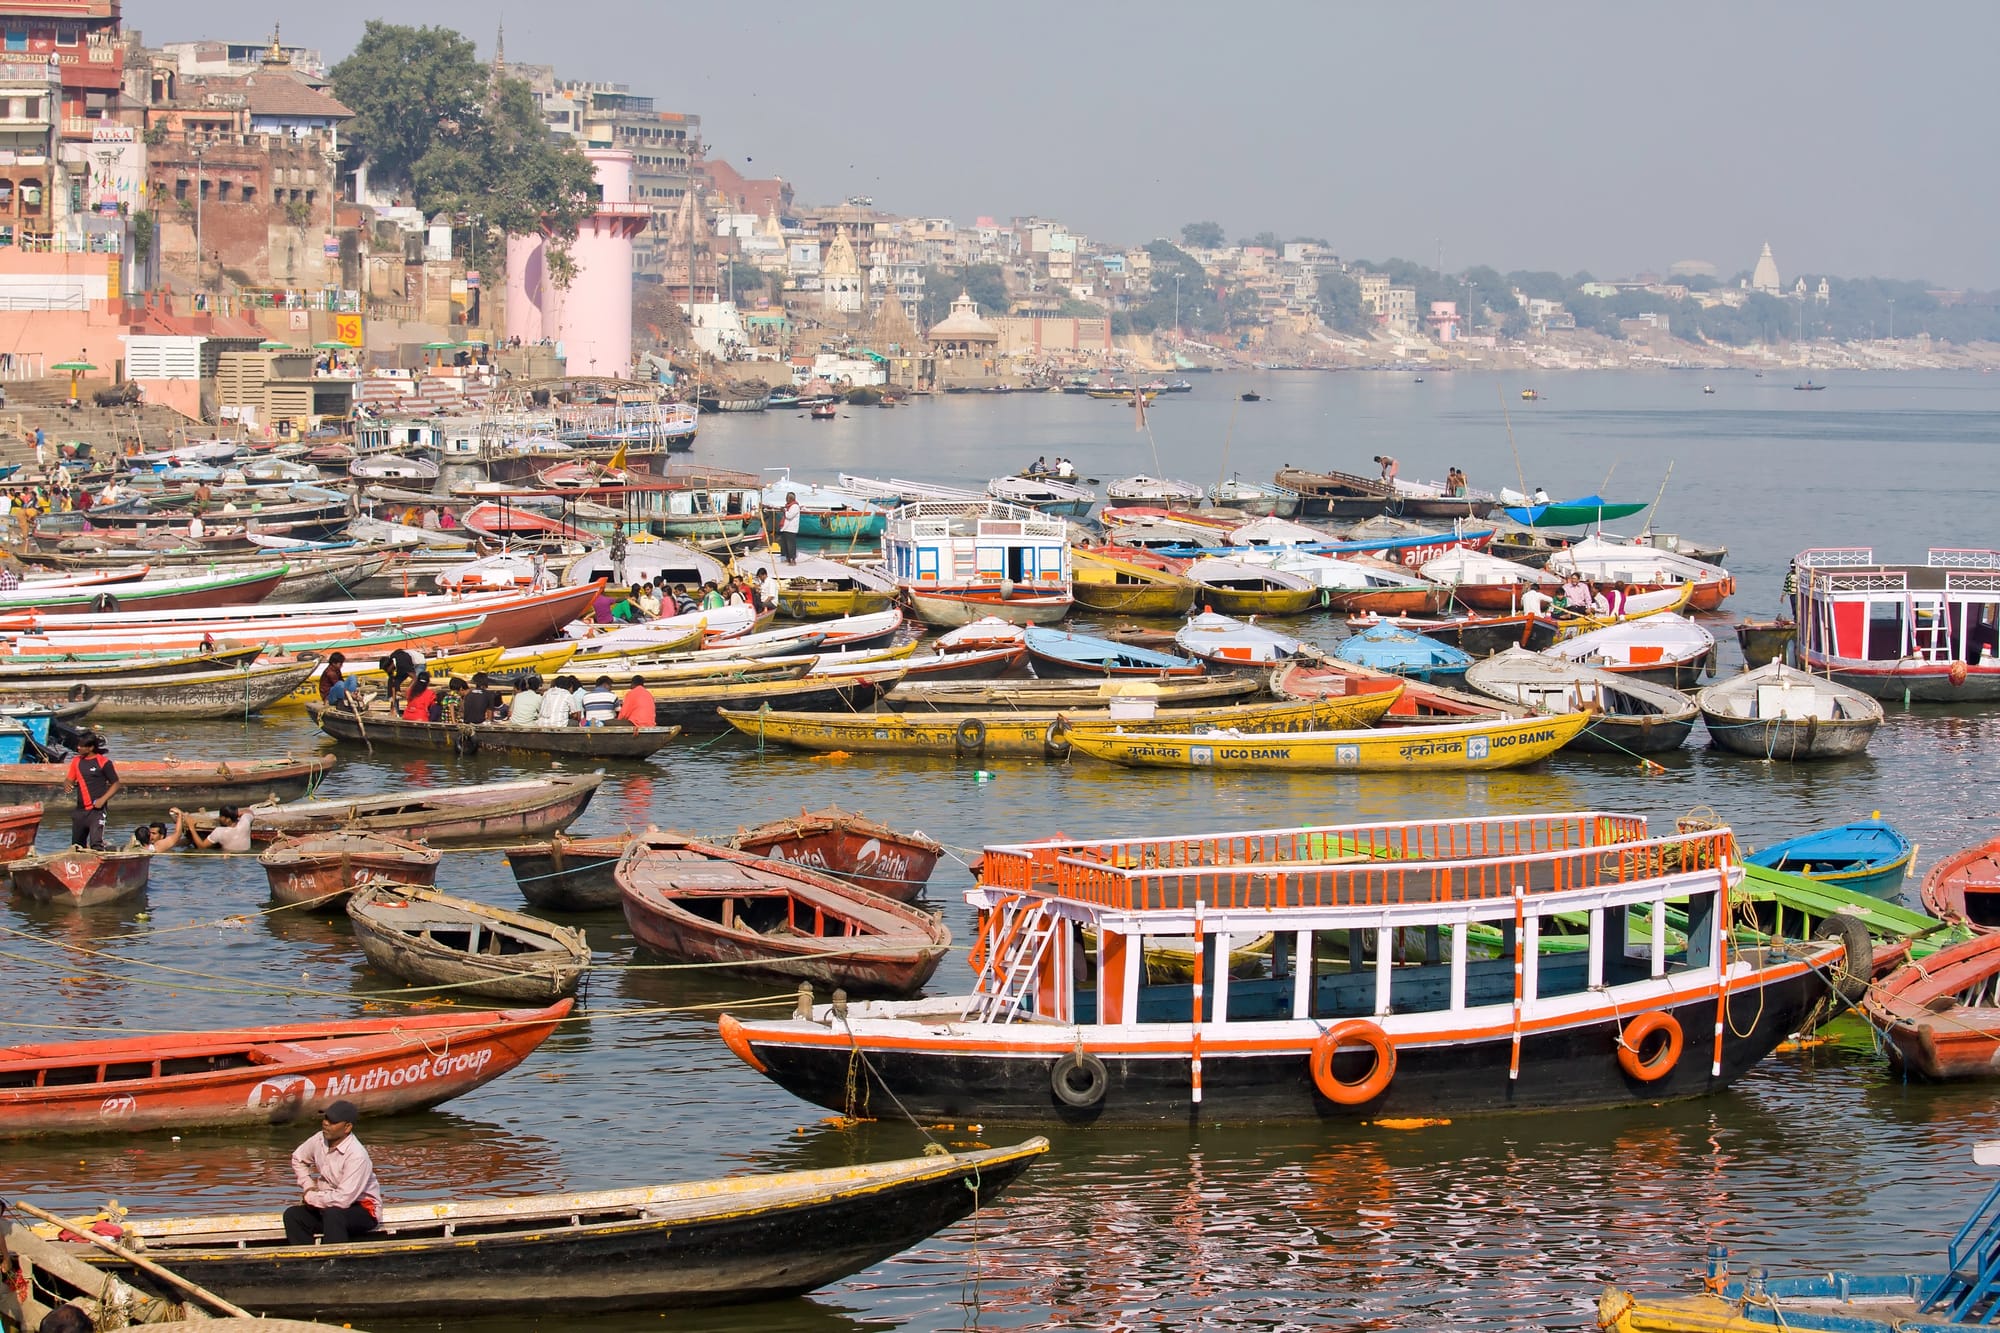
(1398, 309)
(30, 102)
(665, 146)
(84, 38)
(235, 59)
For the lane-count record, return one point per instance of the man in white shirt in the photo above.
(525, 709)
(559, 705)
(340, 1196)
(1534, 601)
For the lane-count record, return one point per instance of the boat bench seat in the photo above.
(279, 1053)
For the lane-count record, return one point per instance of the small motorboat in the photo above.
(1629, 716)
(434, 939)
(1386, 648)
(848, 846)
(569, 874)
(80, 877)
(323, 868)
(1251, 396)
(1965, 886)
(698, 902)
(1061, 653)
(1222, 641)
(824, 412)
(1940, 1018)
(1780, 712)
(1869, 856)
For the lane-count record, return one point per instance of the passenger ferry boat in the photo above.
(955, 562)
(1376, 1002)
(1929, 631)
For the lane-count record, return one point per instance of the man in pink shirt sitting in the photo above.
(342, 1196)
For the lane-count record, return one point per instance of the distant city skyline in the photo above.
(1558, 136)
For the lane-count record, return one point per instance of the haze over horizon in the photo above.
(1563, 136)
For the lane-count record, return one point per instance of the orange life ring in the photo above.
(1957, 673)
(1632, 1041)
(1366, 1089)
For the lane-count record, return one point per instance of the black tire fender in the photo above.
(970, 736)
(1080, 1080)
(1056, 739)
(104, 601)
(1851, 977)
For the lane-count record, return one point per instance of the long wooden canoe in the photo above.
(381, 727)
(494, 813)
(435, 939)
(261, 1075)
(658, 1247)
(1457, 747)
(158, 784)
(234, 692)
(699, 707)
(93, 668)
(236, 587)
(1033, 735)
(913, 696)
(459, 662)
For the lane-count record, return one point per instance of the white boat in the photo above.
(1273, 531)
(1631, 715)
(642, 561)
(377, 531)
(955, 563)
(1229, 642)
(508, 569)
(983, 633)
(1044, 493)
(908, 492)
(1780, 712)
(393, 467)
(1151, 528)
(1664, 647)
(1249, 497)
(720, 623)
(1155, 490)
(1644, 567)
(268, 471)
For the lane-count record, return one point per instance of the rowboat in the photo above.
(974, 696)
(1359, 583)
(1667, 649)
(814, 588)
(1154, 490)
(1780, 712)
(1249, 497)
(1765, 640)
(261, 1075)
(569, 874)
(1387, 648)
(979, 664)
(1940, 1019)
(1642, 569)
(1235, 587)
(1042, 1036)
(18, 825)
(434, 939)
(157, 784)
(1868, 855)
(1067, 653)
(1485, 582)
(962, 606)
(1480, 636)
(496, 812)
(234, 587)
(847, 846)
(1047, 494)
(322, 868)
(80, 877)
(462, 662)
(381, 726)
(1117, 585)
(1965, 886)
(558, 1256)
(1452, 747)
(698, 707)
(698, 902)
(1221, 641)
(1629, 716)
(94, 667)
(1035, 735)
(233, 692)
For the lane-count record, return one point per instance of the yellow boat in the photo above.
(1461, 746)
(587, 658)
(1122, 587)
(1573, 625)
(1169, 959)
(1033, 735)
(811, 599)
(1261, 601)
(542, 658)
(440, 665)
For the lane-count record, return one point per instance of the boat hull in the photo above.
(1925, 682)
(1776, 738)
(440, 823)
(862, 852)
(160, 784)
(541, 977)
(803, 604)
(1152, 600)
(1765, 641)
(18, 825)
(1622, 734)
(949, 610)
(1260, 601)
(611, 741)
(569, 874)
(1457, 747)
(215, 694)
(81, 878)
(321, 872)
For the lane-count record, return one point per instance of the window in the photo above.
(206, 187)
(222, 190)
(67, 34)
(181, 188)
(249, 194)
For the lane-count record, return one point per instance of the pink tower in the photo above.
(592, 317)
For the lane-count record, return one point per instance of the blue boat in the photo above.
(1868, 856)
(1386, 648)
(1057, 653)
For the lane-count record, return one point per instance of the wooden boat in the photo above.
(18, 825)
(1387, 648)
(323, 867)
(1477, 635)
(1067, 653)
(1643, 569)
(1222, 641)
(158, 784)
(975, 696)
(1667, 649)
(1779, 712)
(1039, 1038)
(963, 606)
(1452, 747)
(88, 669)
(1583, 511)
(1118, 586)
(79, 876)
(233, 692)
(380, 726)
(1940, 1019)
(261, 1075)
(977, 664)
(848, 846)
(559, 1256)
(1485, 582)
(1630, 716)
(434, 939)
(464, 662)
(698, 708)
(496, 812)
(1036, 735)
(1914, 632)
(1965, 886)
(699, 902)
(569, 874)
(232, 587)
(1236, 588)
(1868, 856)
(1765, 640)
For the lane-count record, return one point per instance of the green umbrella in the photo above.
(273, 345)
(73, 366)
(440, 347)
(331, 347)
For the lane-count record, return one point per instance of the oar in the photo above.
(138, 1261)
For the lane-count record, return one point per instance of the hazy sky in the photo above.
(1857, 138)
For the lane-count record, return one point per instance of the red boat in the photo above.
(17, 830)
(261, 1076)
(700, 903)
(1966, 887)
(80, 877)
(1420, 701)
(159, 784)
(503, 521)
(1940, 1018)
(850, 847)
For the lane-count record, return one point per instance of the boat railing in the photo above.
(1351, 881)
(1029, 865)
(1828, 557)
(1963, 557)
(1971, 580)
(1870, 580)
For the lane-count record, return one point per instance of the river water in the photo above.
(1516, 1222)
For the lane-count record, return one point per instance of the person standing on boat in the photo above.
(788, 529)
(340, 1197)
(95, 778)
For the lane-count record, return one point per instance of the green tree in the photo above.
(1340, 305)
(1204, 235)
(504, 166)
(1072, 308)
(408, 88)
(1267, 240)
(986, 284)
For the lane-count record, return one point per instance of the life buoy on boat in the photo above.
(971, 735)
(1371, 1085)
(1633, 1057)
(1956, 673)
(1080, 1079)
(1056, 740)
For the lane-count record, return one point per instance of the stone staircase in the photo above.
(105, 429)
